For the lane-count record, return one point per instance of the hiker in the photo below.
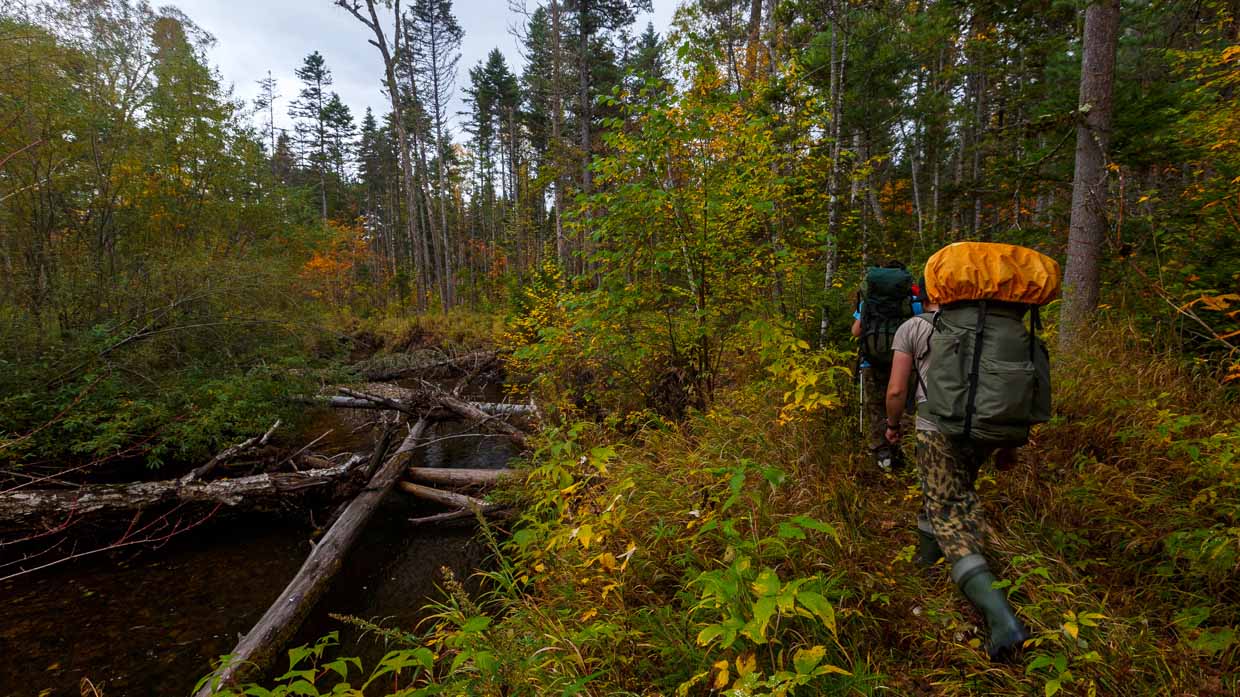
(888, 301)
(982, 381)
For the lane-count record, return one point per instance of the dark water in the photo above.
(150, 623)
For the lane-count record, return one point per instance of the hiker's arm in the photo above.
(856, 328)
(897, 390)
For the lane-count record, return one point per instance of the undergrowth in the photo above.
(750, 551)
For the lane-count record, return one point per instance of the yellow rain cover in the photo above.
(989, 271)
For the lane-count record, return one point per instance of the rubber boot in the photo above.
(1007, 634)
(928, 551)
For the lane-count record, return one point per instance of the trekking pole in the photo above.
(860, 403)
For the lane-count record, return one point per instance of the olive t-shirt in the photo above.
(913, 338)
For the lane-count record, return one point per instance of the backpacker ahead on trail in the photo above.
(990, 375)
(886, 303)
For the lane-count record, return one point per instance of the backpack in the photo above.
(887, 303)
(990, 380)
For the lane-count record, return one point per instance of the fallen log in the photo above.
(490, 408)
(25, 507)
(285, 615)
(446, 498)
(454, 477)
(495, 510)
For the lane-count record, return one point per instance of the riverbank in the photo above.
(750, 550)
(148, 618)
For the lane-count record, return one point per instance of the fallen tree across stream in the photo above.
(438, 404)
(42, 507)
(290, 608)
(489, 408)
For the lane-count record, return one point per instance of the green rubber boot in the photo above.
(928, 551)
(1007, 634)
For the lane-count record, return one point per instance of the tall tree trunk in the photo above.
(1089, 183)
(389, 54)
(556, 145)
(583, 87)
(833, 214)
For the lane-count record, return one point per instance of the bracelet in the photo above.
(890, 427)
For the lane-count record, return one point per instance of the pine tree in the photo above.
(338, 123)
(647, 61)
(309, 114)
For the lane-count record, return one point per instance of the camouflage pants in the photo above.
(947, 468)
(876, 407)
(876, 413)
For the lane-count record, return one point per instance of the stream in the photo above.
(149, 622)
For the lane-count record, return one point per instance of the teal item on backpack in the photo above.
(888, 302)
(990, 380)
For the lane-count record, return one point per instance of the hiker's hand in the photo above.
(892, 435)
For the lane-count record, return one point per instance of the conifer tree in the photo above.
(310, 116)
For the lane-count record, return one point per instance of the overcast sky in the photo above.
(254, 36)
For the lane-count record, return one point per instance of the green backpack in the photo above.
(888, 302)
(990, 377)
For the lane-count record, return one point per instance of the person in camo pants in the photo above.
(950, 523)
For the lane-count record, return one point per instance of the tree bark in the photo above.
(1089, 183)
(282, 619)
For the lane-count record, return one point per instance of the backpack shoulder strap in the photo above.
(929, 318)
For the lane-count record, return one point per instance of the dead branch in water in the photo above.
(446, 498)
(495, 510)
(228, 454)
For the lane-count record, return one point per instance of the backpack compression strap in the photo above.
(970, 406)
(1035, 323)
